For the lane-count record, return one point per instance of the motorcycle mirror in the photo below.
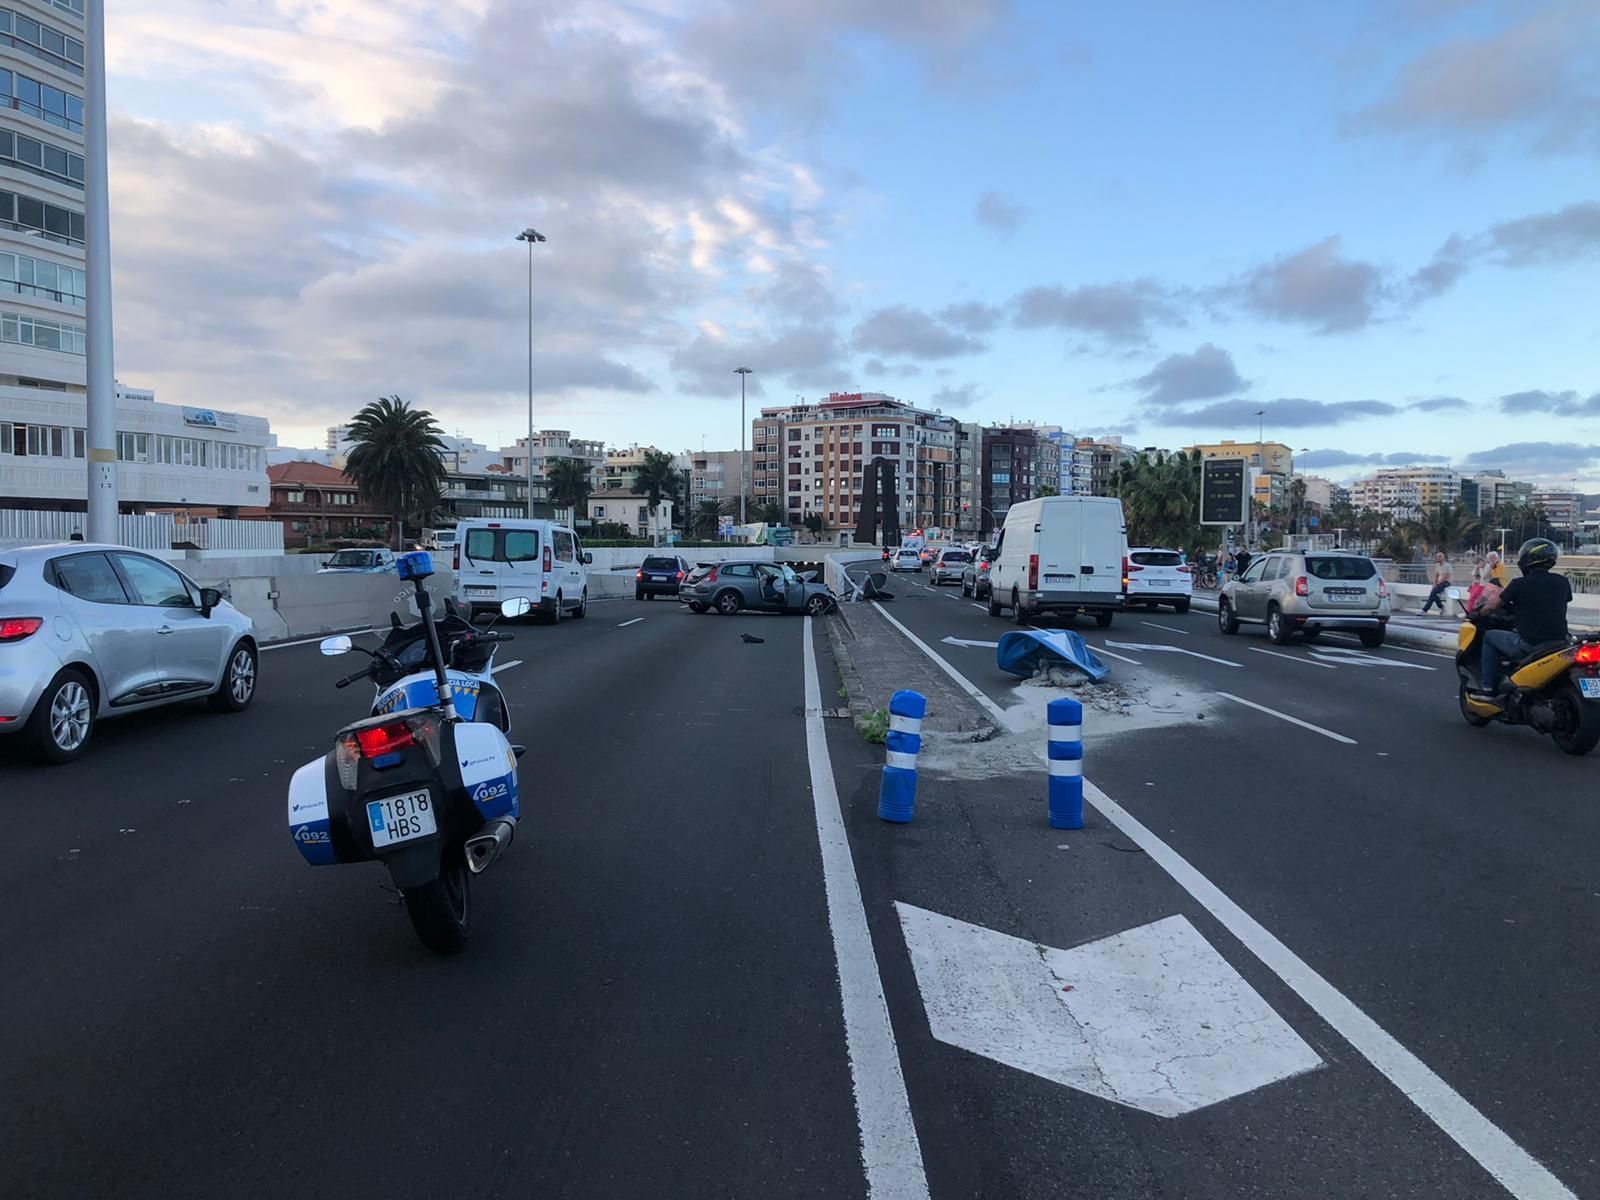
(1454, 593)
(517, 606)
(335, 646)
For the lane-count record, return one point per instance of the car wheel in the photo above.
(63, 720)
(582, 610)
(1181, 607)
(1226, 621)
(994, 605)
(729, 603)
(638, 594)
(696, 607)
(1372, 638)
(965, 590)
(817, 606)
(556, 613)
(1279, 631)
(1017, 615)
(238, 685)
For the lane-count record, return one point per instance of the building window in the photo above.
(37, 277)
(41, 158)
(43, 334)
(133, 447)
(35, 216)
(42, 100)
(44, 43)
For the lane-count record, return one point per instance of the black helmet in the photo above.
(1537, 554)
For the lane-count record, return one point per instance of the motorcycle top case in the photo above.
(488, 769)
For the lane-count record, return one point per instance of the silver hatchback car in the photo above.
(90, 631)
(1308, 592)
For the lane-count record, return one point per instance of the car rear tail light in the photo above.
(1383, 589)
(638, 574)
(1131, 567)
(1302, 586)
(712, 577)
(455, 562)
(1033, 572)
(14, 629)
(680, 576)
(983, 566)
(1185, 570)
(1126, 569)
(1588, 654)
(547, 558)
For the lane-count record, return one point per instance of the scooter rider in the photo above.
(1537, 602)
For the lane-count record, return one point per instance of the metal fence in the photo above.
(219, 534)
(26, 526)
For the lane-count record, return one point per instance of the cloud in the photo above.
(1537, 76)
(877, 368)
(1117, 312)
(1560, 404)
(1178, 378)
(955, 397)
(902, 330)
(1548, 238)
(1288, 413)
(1317, 286)
(798, 356)
(1317, 460)
(1536, 458)
(999, 214)
(1439, 404)
(972, 315)
(797, 290)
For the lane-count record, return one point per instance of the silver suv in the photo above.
(1306, 592)
(89, 631)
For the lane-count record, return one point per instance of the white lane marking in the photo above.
(1112, 654)
(318, 638)
(1360, 658)
(889, 1147)
(625, 624)
(975, 604)
(1156, 647)
(1168, 628)
(506, 666)
(1517, 1171)
(955, 641)
(1103, 1018)
(1272, 712)
(1310, 662)
(989, 706)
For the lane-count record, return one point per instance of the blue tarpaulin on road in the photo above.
(1023, 651)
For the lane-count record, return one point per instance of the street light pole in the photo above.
(530, 235)
(101, 412)
(744, 488)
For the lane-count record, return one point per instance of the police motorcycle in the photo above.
(1555, 689)
(422, 789)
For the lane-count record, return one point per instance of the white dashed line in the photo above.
(1310, 662)
(1272, 712)
(625, 624)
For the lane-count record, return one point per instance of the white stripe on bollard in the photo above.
(899, 724)
(1066, 766)
(902, 760)
(1065, 733)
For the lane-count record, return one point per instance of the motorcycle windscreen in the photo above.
(488, 769)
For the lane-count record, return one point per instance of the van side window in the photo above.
(521, 545)
(563, 544)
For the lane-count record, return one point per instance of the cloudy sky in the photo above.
(1379, 223)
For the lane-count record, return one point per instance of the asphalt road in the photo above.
(650, 1005)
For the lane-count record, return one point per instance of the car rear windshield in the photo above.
(1340, 567)
(502, 545)
(353, 558)
(1156, 558)
(957, 556)
(657, 563)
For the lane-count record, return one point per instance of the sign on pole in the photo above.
(1222, 491)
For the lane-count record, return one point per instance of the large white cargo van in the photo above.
(1061, 554)
(500, 559)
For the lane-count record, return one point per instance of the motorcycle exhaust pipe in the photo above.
(485, 846)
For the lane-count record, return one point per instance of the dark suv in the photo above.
(659, 575)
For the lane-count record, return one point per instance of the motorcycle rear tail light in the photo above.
(14, 629)
(380, 742)
(1588, 654)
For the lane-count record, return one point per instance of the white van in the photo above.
(496, 560)
(1061, 554)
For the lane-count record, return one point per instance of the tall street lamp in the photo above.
(100, 416)
(530, 235)
(744, 488)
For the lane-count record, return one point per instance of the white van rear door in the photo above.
(1060, 536)
(521, 565)
(479, 574)
(1104, 544)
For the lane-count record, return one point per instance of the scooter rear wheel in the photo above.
(1580, 733)
(441, 911)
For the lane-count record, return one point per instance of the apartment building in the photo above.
(1010, 464)
(713, 476)
(1406, 492)
(1272, 457)
(1491, 489)
(811, 458)
(1564, 509)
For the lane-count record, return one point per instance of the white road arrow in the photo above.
(1355, 658)
(955, 641)
(1153, 1018)
(1227, 662)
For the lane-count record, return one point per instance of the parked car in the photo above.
(659, 575)
(1304, 592)
(728, 587)
(89, 632)
(499, 560)
(1062, 555)
(906, 559)
(975, 578)
(1157, 576)
(358, 562)
(950, 564)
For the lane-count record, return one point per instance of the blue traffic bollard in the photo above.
(1065, 732)
(897, 791)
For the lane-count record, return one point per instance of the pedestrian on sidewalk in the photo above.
(1242, 559)
(1497, 568)
(1441, 581)
(1480, 573)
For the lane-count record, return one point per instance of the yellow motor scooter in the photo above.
(1555, 689)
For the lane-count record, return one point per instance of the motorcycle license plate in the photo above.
(402, 818)
(1589, 687)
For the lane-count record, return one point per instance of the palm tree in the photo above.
(1045, 490)
(571, 485)
(394, 459)
(707, 517)
(657, 479)
(1446, 527)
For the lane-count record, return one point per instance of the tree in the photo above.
(1297, 504)
(1044, 490)
(571, 485)
(1160, 498)
(1446, 527)
(813, 523)
(658, 479)
(706, 518)
(394, 459)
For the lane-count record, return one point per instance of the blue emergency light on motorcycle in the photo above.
(416, 565)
